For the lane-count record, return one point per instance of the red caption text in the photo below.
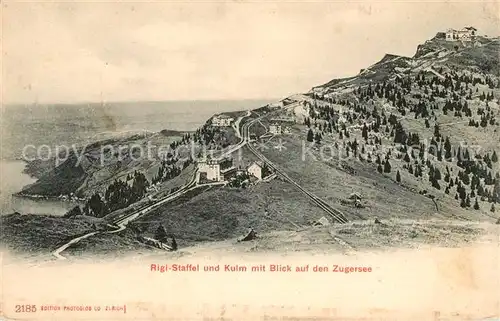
(281, 268)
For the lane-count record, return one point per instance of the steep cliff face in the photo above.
(436, 45)
(63, 179)
(93, 167)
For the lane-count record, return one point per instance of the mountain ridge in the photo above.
(434, 48)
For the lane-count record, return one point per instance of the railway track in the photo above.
(335, 214)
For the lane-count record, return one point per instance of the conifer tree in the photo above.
(435, 183)
(437, 174)
(310, 135)
(496, 191)
(436, 131)
(466, 179)
(387, 167)
(476, 205)
(174, 244)
(365, 132)
(161, 233)
(317, 138)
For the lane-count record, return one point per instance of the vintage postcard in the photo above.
(250, 160)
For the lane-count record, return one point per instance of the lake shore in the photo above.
(14, 179)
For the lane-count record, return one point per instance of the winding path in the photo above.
(122, 221)
(57, 252)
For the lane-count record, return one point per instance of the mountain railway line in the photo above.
(335, 214)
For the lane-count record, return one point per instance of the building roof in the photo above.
(223, 116)
(322, 221)
(470, 28)
(354, 196)
(224, 171)
(258, 163)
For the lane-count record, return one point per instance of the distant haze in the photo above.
(88, 51)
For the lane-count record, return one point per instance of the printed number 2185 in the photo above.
(20, 308)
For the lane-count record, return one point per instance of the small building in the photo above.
(355, 197)
(323, 221)
(451, 35)
(255, 169)
(281, 126)
(222, 120)
(355, 200)
(275, 129)
(213, 169)
(464, 34)
(469, 31)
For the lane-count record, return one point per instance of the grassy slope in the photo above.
(353, 237)
(219, 213)
(40, 233)
(110, 245)
(210, 214)
(386, 196)
(382, 195)
(484, 58)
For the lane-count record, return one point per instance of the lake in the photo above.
(66, 124)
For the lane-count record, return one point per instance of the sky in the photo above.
(77, 51)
